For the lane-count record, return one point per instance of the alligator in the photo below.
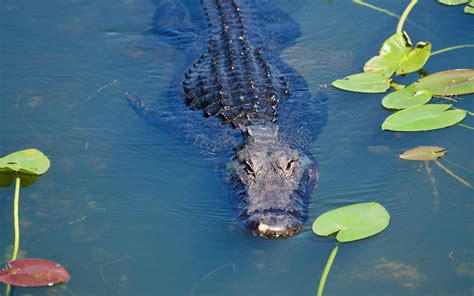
(250, 105)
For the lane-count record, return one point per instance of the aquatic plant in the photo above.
(349, 223)
(24, 168)
(432, 153)
(398, 57)
(469, 8)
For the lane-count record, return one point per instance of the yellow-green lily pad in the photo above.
(423, 118)
(453, 2)
(407, 97)
(29, 164)
(391, 54)
(365, 82)
(415, 60)
(353, 222)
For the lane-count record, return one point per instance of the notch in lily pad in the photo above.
(350, 223)
(28, 164)
(396, 55)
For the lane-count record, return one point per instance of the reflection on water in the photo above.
(129, 209)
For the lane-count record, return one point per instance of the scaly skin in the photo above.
(234, 81)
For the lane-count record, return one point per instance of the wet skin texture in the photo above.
(273, 183)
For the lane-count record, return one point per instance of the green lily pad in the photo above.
(391, 54)
(353, 222)
(370, 82)
(453, 2)
(415, 60)
(29, 164)
(423, 118)
(407, 97)
(448, 83)
(469, 9)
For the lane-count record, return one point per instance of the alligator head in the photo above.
(273, 183)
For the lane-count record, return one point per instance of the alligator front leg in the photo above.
(159, 118)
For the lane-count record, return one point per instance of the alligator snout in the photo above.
(274, 223)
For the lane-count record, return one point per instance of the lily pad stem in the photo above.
(16, 219)
(451, 48)
(404, 16)
(327, 268)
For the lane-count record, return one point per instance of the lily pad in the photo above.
(423, 153)
(370, 82)
(469, 9)
(33, 273)
(29, 164)
(407, 97)
(423, 118)
(353, 222)
(453, 2)
(448, 83)
(415, 60)
(391, 54)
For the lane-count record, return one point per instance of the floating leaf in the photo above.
(29, 164)
(393, 50)
(423, 118)
(391, 54)
(451, 82)
(423, 153)
(406, 97)
(353, 222)
(33, 273)
(469, 9)
(370, 82)
(453, 2)
(415, 60)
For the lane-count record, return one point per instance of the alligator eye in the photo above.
(249, 169)
(290, 165)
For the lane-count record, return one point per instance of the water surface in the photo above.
(131, 210)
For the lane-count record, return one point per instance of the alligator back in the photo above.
(233, 79)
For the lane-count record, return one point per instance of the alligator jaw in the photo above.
(274, 225)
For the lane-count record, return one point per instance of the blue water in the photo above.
(131, 210)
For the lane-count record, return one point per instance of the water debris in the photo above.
(465, 269)
(101, 268)
(98, 91)
(449, 172)
(210, 274)
(35, 101)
